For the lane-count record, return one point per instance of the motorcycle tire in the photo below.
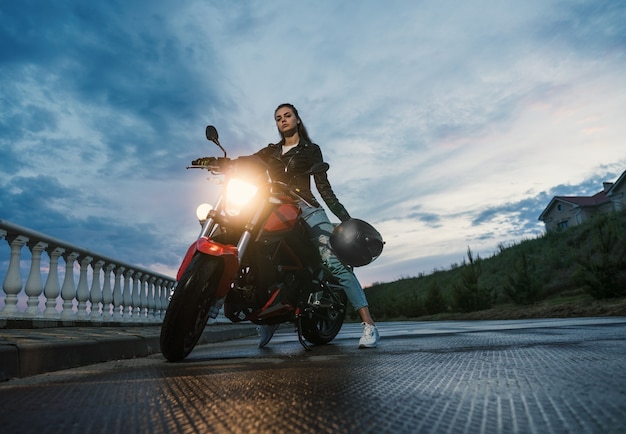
(322, 324)
(188, 310)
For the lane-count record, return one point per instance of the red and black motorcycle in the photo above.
(255, 259)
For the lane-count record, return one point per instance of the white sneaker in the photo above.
(370, 336)
(266, 332)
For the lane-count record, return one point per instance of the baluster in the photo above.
(68, 290)
(136, 299)
(52, 289)
(95, 293)
(107, 293)
(34, 284)
(157, 299)
(151, 303)
(117, 295)
(144, 297)
(127, 310)
(12, 284)
(166, 296)
(82, 292)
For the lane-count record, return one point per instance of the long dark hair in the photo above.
(302, 132)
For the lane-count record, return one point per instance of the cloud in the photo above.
(445, 124)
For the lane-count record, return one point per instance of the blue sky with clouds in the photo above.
(446, 124)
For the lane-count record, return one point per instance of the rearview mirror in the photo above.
(211, 134)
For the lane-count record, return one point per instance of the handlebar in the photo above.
(221, 164)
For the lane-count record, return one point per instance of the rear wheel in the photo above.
(323, 319)
(188, 310)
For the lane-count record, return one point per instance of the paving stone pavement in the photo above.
(534, 376)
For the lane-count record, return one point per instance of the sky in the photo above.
(446, 124)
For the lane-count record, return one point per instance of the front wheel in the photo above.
(323, 319)
(189, 308)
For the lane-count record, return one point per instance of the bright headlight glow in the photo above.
(203, 211)
(238, 194)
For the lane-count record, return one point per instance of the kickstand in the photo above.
(300, 337)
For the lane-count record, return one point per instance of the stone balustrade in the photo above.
(107, 290)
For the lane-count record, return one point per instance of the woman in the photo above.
(296, 153)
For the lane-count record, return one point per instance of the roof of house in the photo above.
(595, 200)
(582, 201)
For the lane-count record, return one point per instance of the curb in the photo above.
(28, 352)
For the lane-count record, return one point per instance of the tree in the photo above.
(523, 287)
(602, 269)
(469, 296)
(435, 302)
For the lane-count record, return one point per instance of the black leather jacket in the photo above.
(298, 160)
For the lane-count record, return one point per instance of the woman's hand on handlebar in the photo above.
(204, 161)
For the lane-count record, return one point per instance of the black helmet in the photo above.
(356, 242)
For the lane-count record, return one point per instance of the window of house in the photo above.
(562, 225)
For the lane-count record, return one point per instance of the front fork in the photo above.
(232, 255)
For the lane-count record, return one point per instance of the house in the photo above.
(565, 211)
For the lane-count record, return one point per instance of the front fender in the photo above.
(228, 253)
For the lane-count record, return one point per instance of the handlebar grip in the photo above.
(203, 161)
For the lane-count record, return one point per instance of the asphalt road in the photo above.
(535, 376)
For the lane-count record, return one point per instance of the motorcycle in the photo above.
(254, 259)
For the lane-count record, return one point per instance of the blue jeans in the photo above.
(321, 230)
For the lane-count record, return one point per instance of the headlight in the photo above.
(238, 194)
(203, 211)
